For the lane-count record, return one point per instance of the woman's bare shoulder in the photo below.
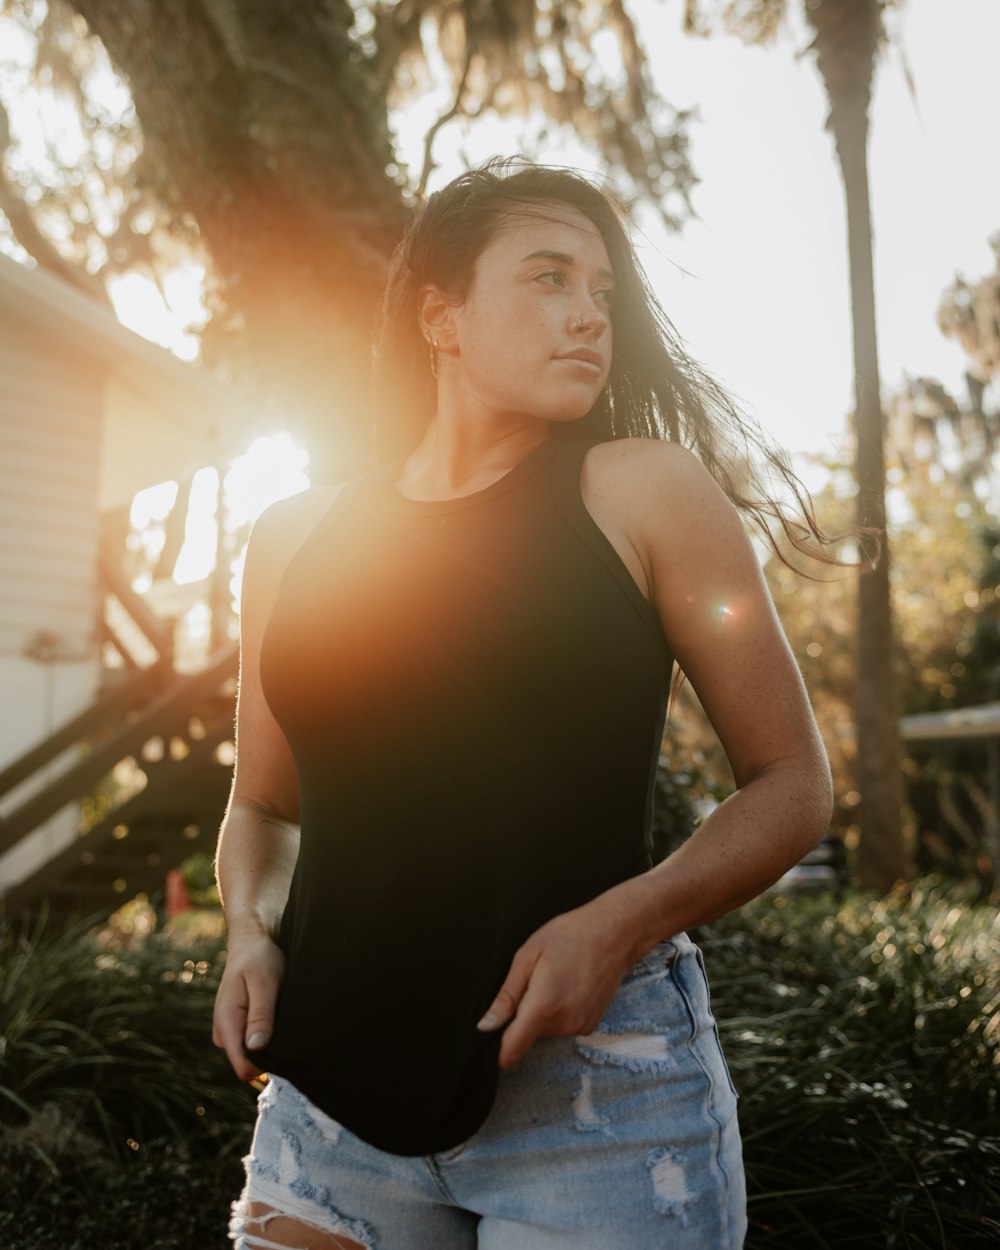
(284, 525)
(647, 471)
(647, 456)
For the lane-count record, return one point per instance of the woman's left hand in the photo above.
(562, 978)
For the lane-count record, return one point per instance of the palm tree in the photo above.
(846, 38)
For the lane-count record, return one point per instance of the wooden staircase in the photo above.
(149, 765)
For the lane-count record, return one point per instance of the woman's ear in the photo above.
(435, 316)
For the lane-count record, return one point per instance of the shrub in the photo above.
(120, 1124)
(864, 1037)
(114, 1042)
(162, 1198)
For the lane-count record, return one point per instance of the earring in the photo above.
(434, 356)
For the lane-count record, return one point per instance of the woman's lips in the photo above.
(584, 364)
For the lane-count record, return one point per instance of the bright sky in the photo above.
(769, 305)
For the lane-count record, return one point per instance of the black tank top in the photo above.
(474, 694)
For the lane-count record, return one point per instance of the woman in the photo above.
(483, 1021)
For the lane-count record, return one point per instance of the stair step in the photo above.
(179, 812)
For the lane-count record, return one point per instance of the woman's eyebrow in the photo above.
(565, 259)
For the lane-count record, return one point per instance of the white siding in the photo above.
(50, 430)
(89, 414)
(45, 696)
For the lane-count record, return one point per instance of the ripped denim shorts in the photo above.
(625, 1137)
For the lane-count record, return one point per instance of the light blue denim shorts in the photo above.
(625, 1137)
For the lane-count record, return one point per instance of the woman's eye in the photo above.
(558, 278)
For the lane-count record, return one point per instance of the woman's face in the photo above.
(533, 337)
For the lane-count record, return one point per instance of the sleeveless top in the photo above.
(474, 692)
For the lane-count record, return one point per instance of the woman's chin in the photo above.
(569, 413)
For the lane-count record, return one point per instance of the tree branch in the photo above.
(27, 233)
(445, 117)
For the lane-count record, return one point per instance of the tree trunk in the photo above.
(882, 852)
(264, 126)
(846, 39)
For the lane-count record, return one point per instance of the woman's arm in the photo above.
(707, 587)
(254, 866)
(259, 838)
(713, 602)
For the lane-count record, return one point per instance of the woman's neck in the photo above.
(453, 458)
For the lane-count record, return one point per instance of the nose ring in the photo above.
(579, 324)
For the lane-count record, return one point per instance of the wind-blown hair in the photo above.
(654, 388)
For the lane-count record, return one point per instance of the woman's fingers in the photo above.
(562, 979)
(263, 994)
(244, 1005)
(230, 1024)
(530, 1023)
(504, 1006)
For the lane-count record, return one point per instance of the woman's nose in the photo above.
(589, 318)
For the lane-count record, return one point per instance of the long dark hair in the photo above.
(655, 389)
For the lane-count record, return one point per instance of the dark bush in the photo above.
(121, 1125)
(164, 1197)
(864, 1037)
(114, 1041)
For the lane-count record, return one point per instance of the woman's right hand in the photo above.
(244, 1004)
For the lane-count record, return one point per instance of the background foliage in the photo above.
(863, 1036)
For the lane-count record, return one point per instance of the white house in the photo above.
(90, 413)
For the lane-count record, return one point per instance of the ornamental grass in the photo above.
(863, 1036)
